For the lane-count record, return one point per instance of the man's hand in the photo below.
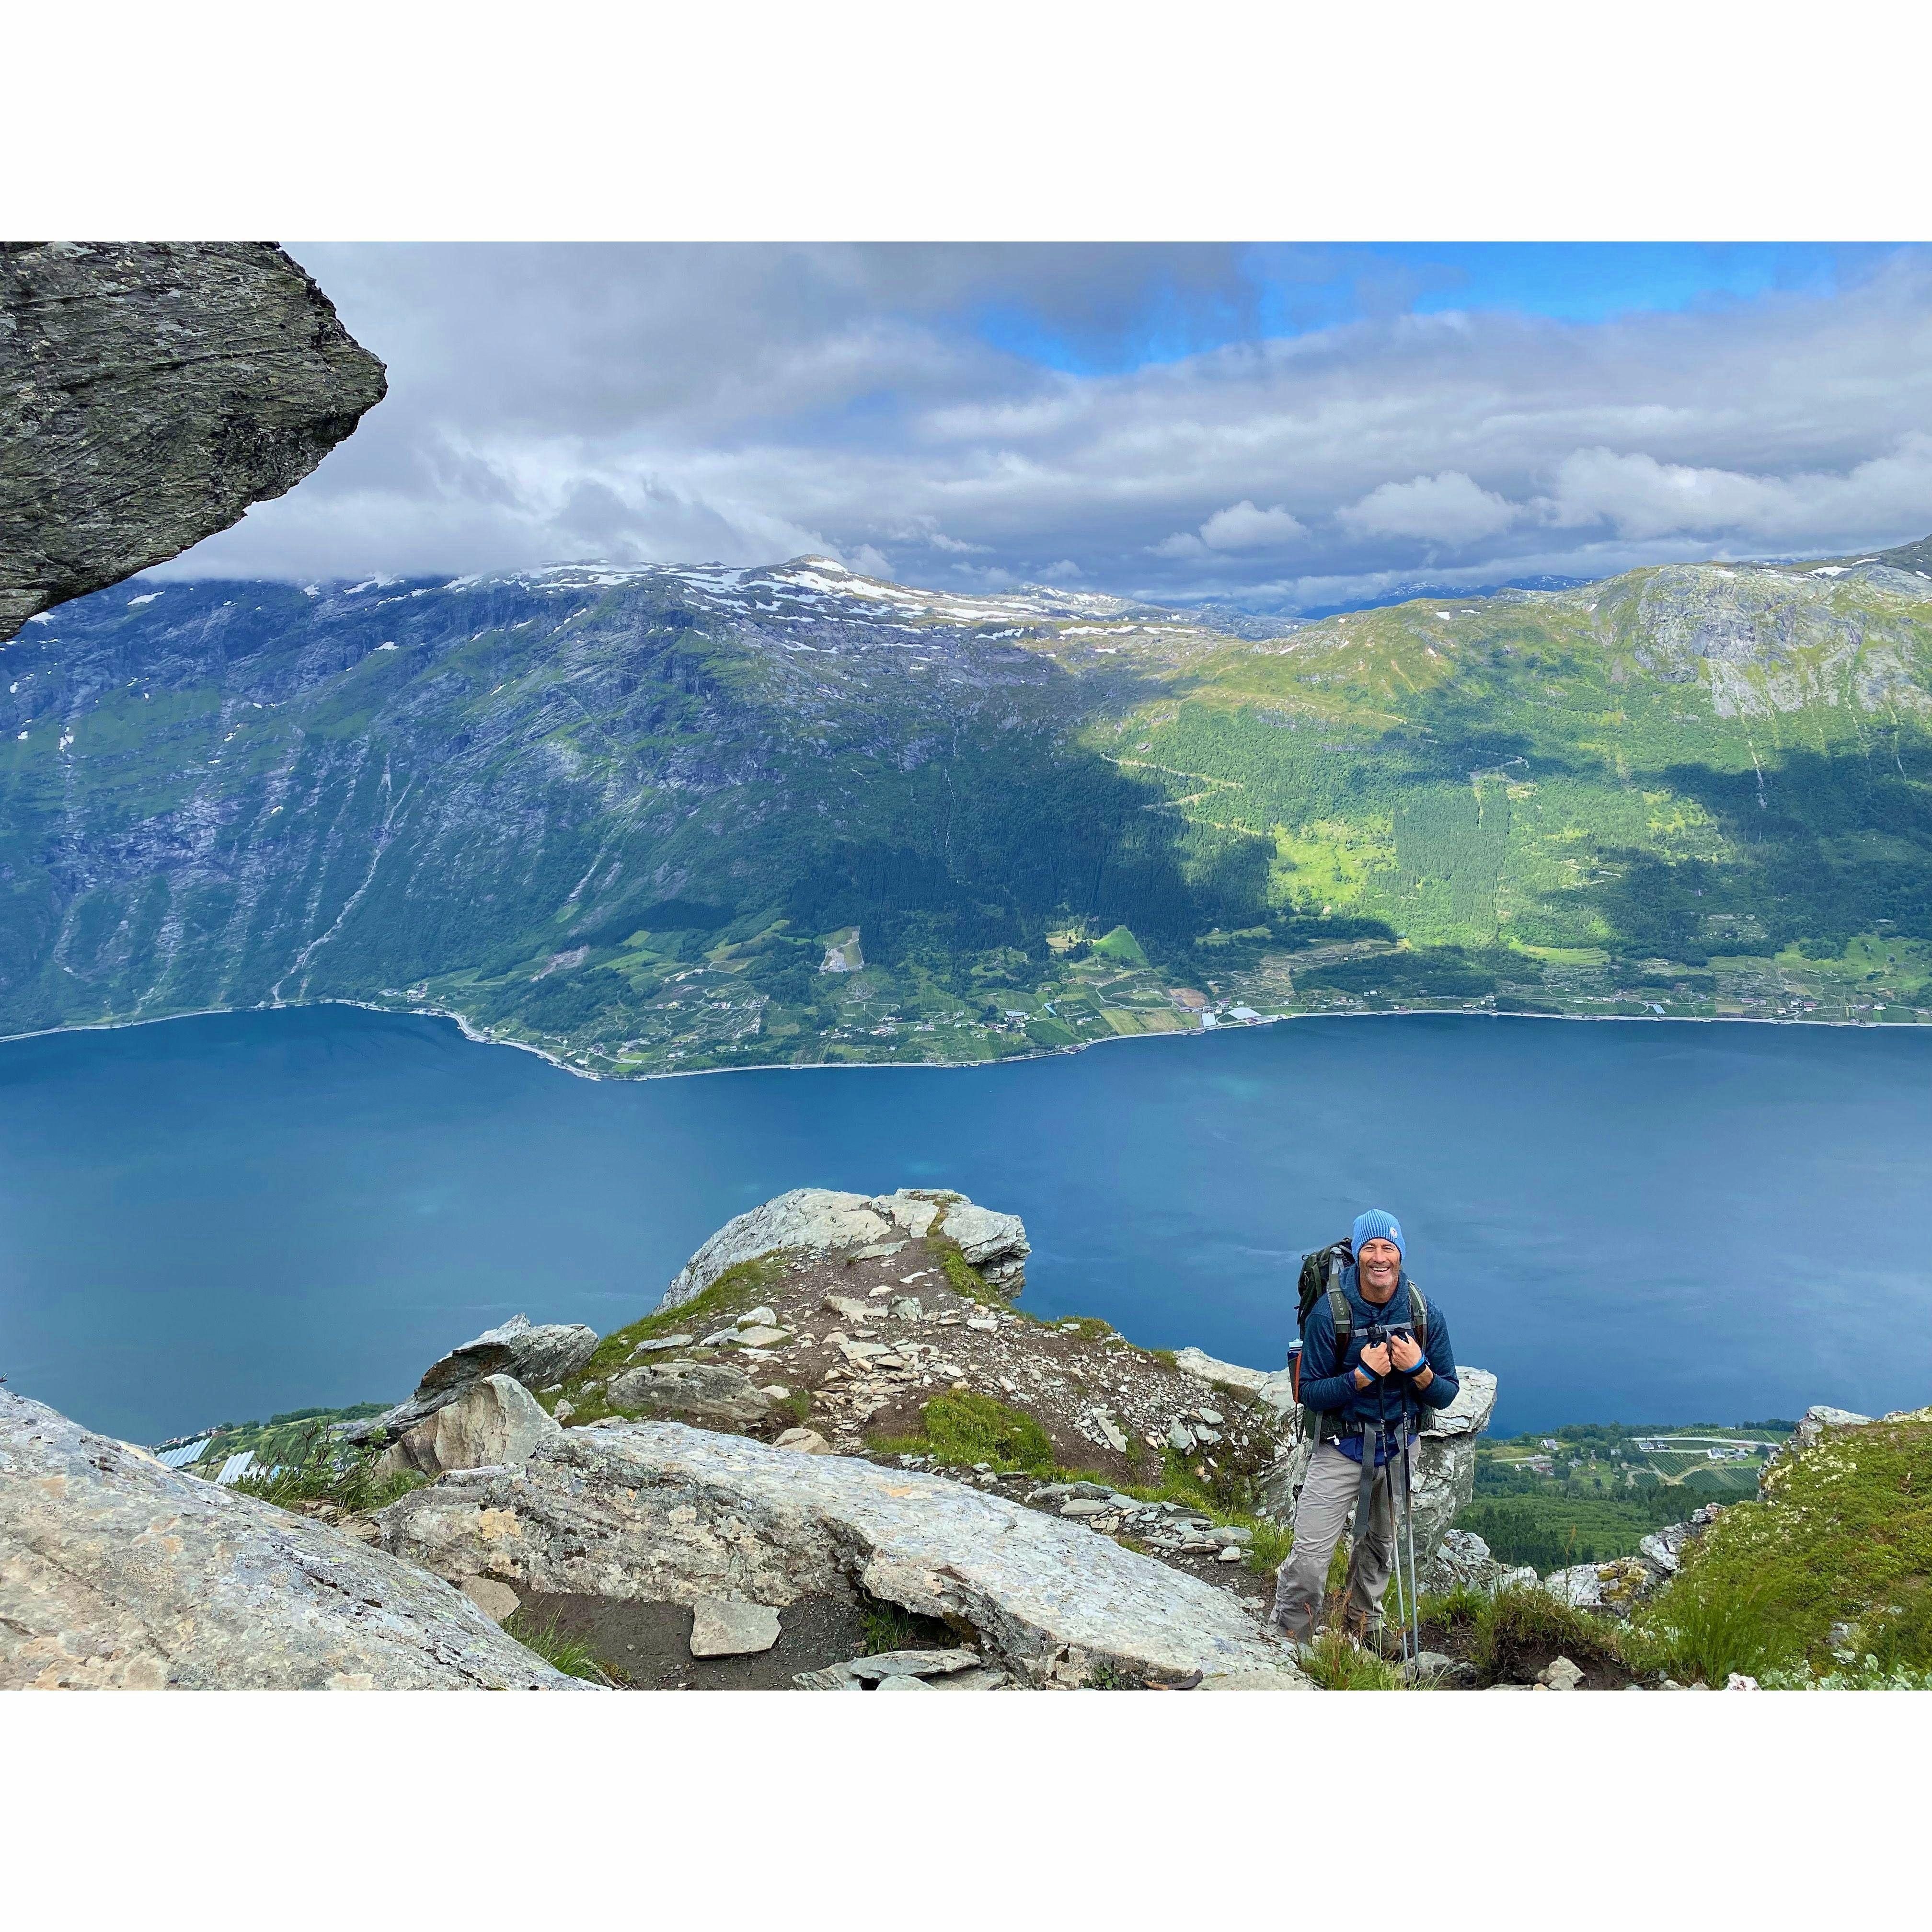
(1406, 1350)
(1376, 1360)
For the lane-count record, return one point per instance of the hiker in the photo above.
(1362, 1405)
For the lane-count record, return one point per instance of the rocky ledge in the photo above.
(663, 1513)
(116, 1573)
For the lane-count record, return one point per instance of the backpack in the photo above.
(1321, 1278)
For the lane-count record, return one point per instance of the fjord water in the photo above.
(219, 1218)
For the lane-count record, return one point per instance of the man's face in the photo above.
(1379, 1265)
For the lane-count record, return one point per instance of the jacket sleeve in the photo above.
(1324, 1385)
(1441, 1392)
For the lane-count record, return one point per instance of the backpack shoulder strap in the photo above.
(1418, 1314)
(1343, 1321)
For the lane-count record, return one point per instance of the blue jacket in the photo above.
(1328, 1385)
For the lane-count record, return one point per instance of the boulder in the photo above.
(803, 1442)
(117, 1573)
(820, 1220)
(707, 1392)
(538, 1357)
(658, 1512)
(495, 1420)
(150, 391)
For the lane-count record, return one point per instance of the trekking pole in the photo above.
(1409, 1524)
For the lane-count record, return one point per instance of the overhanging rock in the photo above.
(658, 1512)
(149, 392)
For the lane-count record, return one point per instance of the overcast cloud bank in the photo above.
(992, 416)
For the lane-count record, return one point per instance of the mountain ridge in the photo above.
(659, 818)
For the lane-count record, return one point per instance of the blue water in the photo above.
(217, 1218)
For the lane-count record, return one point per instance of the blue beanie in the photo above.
(1378, 1224)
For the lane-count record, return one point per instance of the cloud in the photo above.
(1065, 572)
(1242, 526)
(1447, 508)
(1641, 497)
(747, 403)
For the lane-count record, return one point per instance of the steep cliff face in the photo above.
(149, 393)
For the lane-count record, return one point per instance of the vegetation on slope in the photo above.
(656, 821)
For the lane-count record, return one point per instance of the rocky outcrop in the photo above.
(658, 1512)
(495, 1420)
(116, 1573)
(538, 1357)
(1462, 1560)
(1616, 1587)
(819, 1220)
(149, 393)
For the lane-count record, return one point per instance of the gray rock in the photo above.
(720, 1627)
(820, 1220)
(1613, 1588)
(149, 393)
(536, 1356)
(765, 1317)
(1462, 1560)
(803, 1442)
(497, 1601)
(1817, 1419)
(117, 1573)
(706, 1392)
(495, 1421)
(663, 1344)
(984, 1237)
(1192, 1362)
(658, 1512)
(1560, 1675)
(1179, 1436)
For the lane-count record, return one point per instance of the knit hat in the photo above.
(1377, 1224)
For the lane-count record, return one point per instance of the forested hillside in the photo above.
(653, 819)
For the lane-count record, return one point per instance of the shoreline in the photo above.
(476, 1038)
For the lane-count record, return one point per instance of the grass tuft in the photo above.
(1336, 1664)
(571, 1655)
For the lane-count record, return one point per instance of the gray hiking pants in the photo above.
(1328, 1499)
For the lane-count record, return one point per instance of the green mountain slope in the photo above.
(655, 819)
